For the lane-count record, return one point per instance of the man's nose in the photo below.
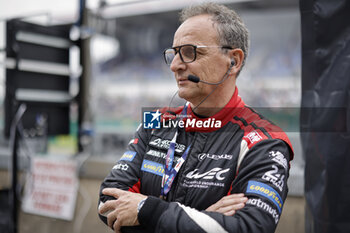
(177, 63)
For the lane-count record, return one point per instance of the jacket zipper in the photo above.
(183, 168)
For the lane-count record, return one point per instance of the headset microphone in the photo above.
(196, 79)
(193, 78)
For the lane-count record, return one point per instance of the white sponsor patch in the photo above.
(164, 144)
(201, 184)
(216, 173)
(157, 154)
(263, 205)
(202, 156)
(121, 166)
(274, 178)
(279, 158)
(253, 136)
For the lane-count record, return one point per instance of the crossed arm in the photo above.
(123, 210)
(260, 213)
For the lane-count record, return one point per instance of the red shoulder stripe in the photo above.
(257, 128)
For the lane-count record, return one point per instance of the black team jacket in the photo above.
(238, 151)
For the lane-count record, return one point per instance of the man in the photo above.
(224, 168)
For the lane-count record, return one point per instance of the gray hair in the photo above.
(230, 27)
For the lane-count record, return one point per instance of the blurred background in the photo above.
(85, 70)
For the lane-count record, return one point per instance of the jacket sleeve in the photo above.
(262, 176)
(126, 172)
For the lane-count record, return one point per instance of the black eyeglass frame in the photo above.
(177, 50)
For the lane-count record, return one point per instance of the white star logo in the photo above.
(156, 115)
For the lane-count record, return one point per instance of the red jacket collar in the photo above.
(218, 120)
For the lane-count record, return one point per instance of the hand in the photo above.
(228, 205)
(123, 211)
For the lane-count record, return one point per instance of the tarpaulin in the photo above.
(325, 114)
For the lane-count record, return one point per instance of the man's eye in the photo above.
(187, 52)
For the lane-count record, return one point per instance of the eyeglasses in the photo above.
(188, 52)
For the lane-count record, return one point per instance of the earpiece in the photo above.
(196, 79)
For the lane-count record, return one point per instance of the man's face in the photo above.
(210, 65)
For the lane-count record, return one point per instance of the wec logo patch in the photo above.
(216, 172)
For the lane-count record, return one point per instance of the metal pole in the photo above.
(85, 114)
(14, 192)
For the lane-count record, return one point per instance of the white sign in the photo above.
(51, 190)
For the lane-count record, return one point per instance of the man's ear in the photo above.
(237, 57)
